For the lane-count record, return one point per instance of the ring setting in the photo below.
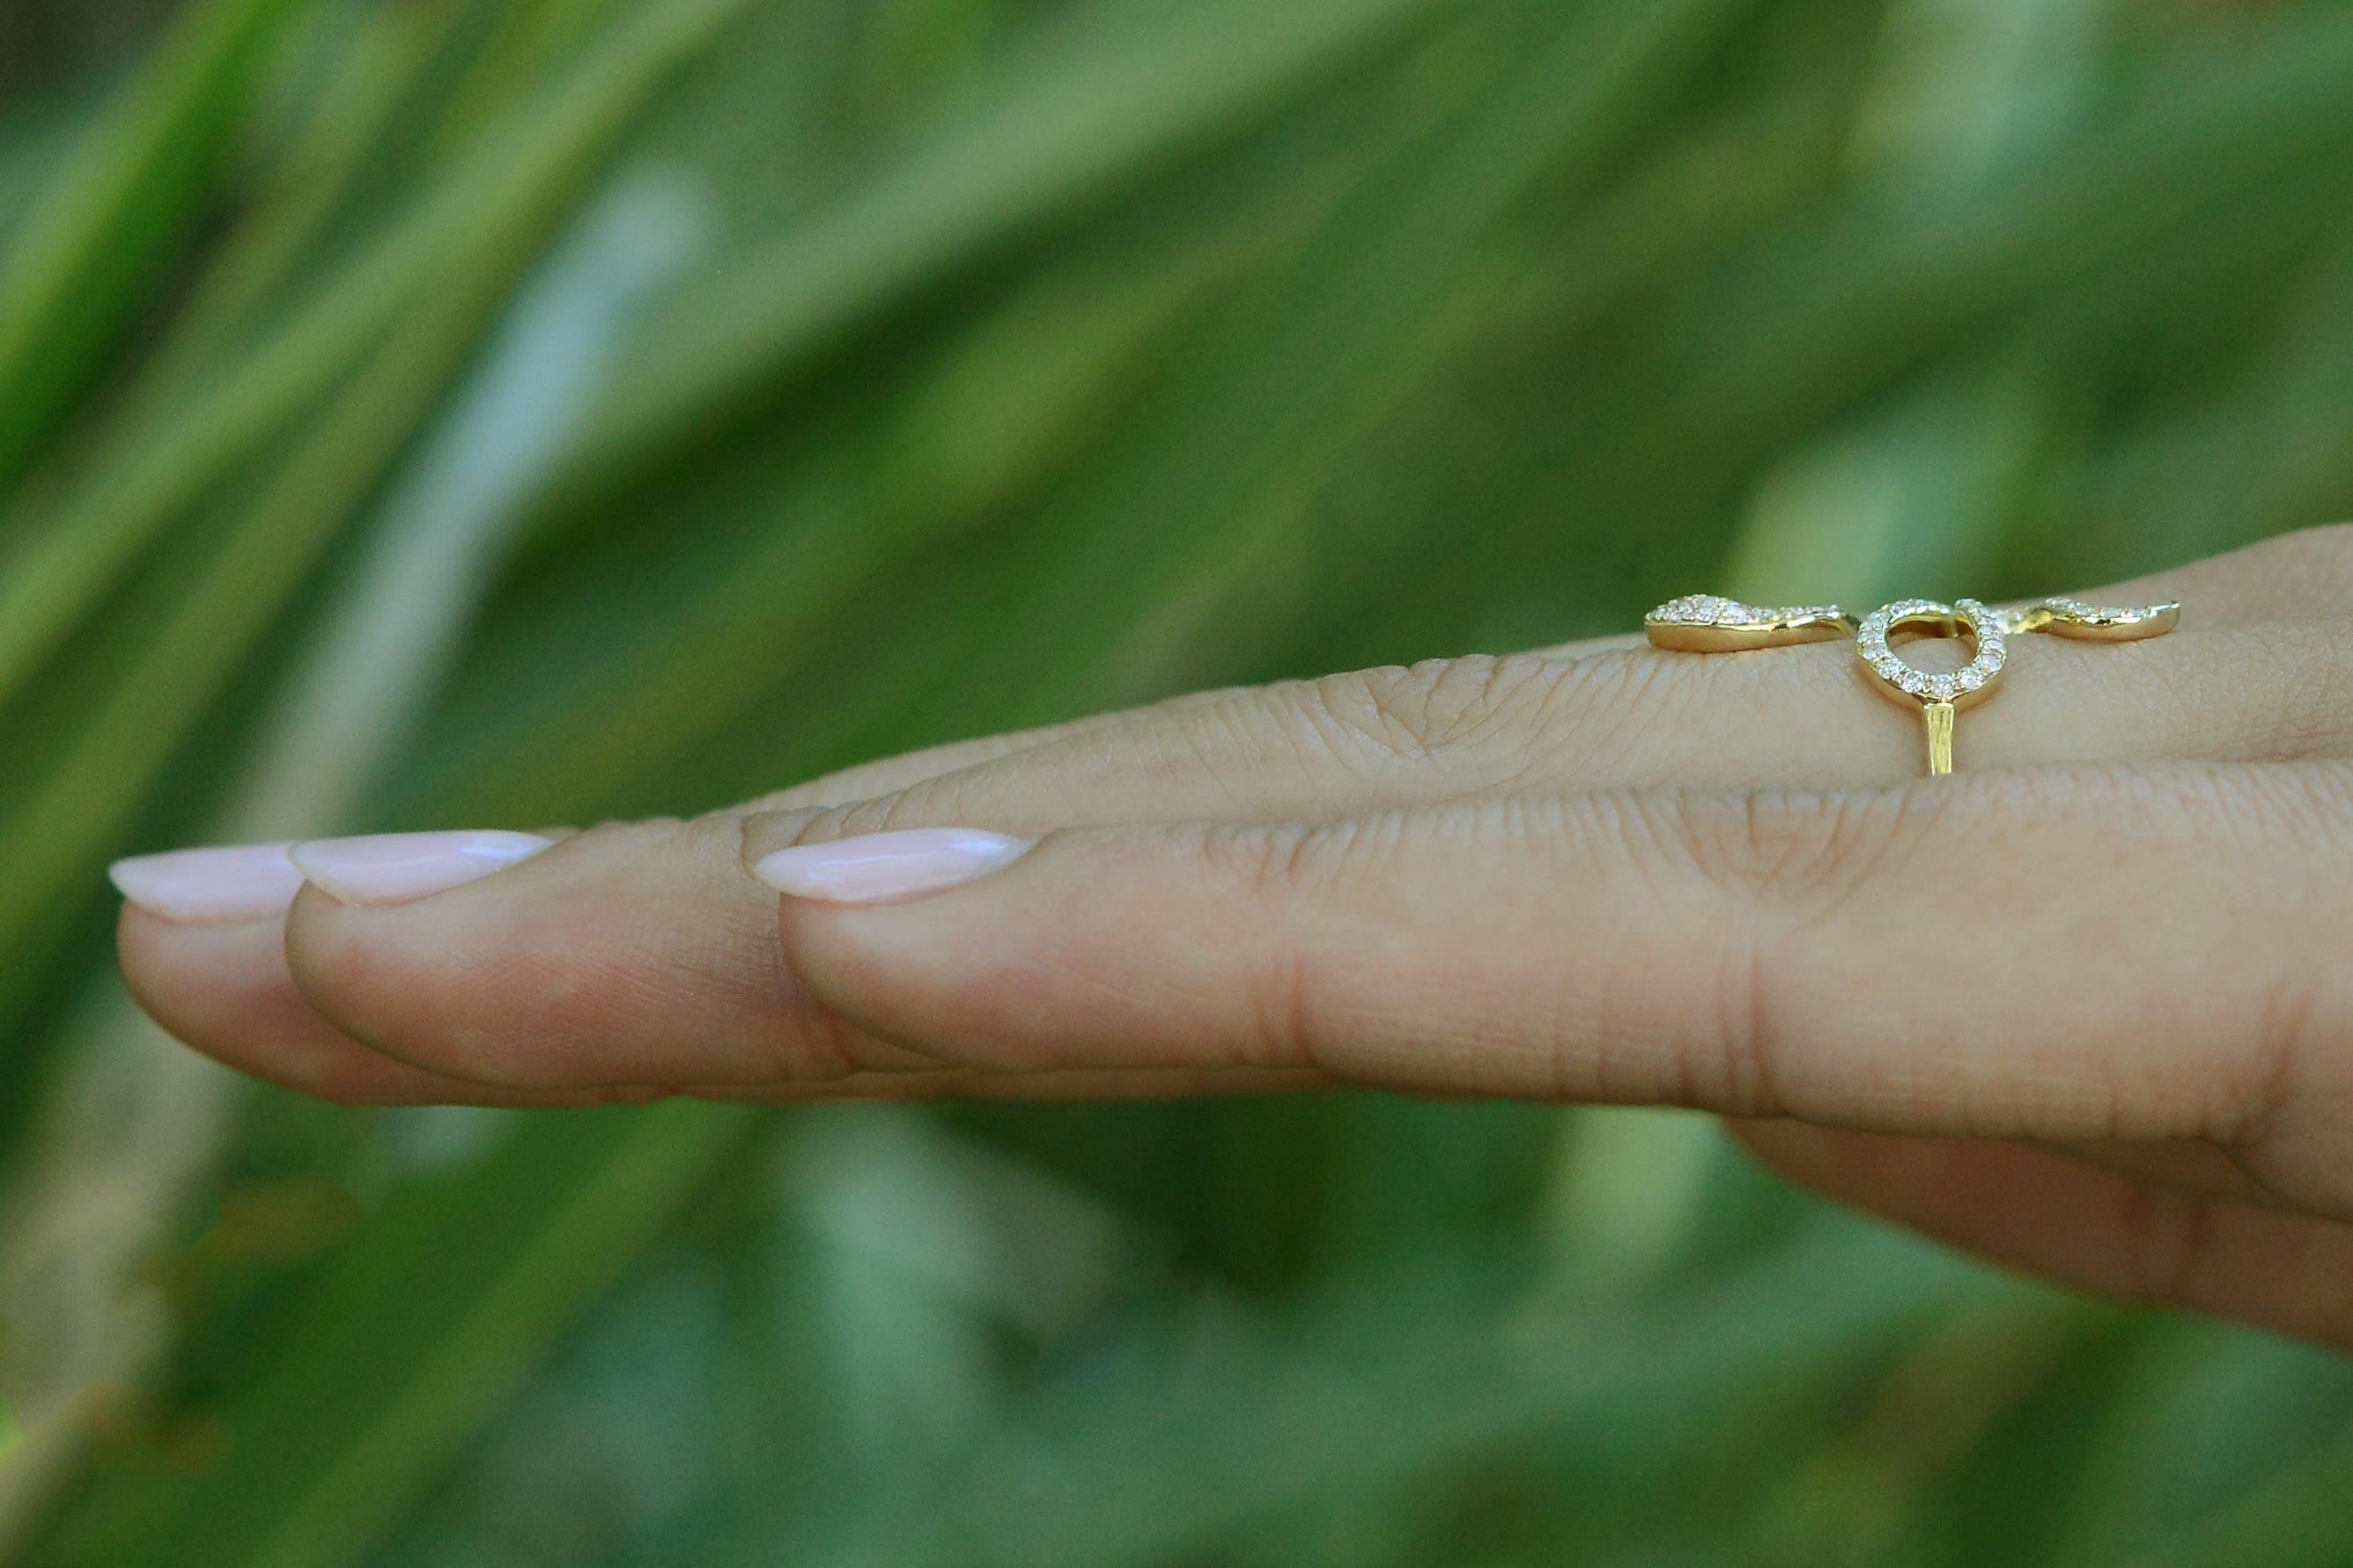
(1709, 623)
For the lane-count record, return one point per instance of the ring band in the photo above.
(1709, 623)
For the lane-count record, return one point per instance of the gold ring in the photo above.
(1708, 623)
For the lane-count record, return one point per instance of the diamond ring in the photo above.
(1707, 623)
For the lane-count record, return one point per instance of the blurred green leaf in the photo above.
(101, 244)
(1090, 108)
(1097, 1473)
(407, 1343)
(517, 182)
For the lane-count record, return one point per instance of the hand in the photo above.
(2083, 1007)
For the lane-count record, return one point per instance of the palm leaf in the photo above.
(97, 247)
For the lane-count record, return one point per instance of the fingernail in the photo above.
(394, 867)
(240, 881)
(879, 866)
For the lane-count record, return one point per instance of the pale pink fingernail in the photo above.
(883, 866)
(394, 867)
(240, 881)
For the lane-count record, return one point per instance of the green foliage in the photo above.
(478, 413)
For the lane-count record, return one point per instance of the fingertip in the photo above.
(405, 979)
(1095, 948)
(398, 868)
(629, 953)
(889, 867)
(222, 989)
(227, 882)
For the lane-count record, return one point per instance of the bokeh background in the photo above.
(498, 412)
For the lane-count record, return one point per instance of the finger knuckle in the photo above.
(1784, 848)
(766, 832)
(1281, 865)
(1291, 987)
(1439, 710)
(1759, 876)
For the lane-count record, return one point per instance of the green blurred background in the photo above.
(498, 412)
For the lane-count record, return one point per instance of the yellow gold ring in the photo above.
(1708, 623)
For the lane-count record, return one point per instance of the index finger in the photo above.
(2055, 953)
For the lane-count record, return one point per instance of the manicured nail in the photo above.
(879, 866)
(239, 882)
(394, 867)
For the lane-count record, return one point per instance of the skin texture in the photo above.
(2081, 1007)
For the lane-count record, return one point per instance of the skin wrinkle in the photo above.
(2279, 1063)
(1632, 680)
(1295, 741)
(1610, 1072)
(1752, 1014)
(1389, 710)
(744, 964)
(2193, 730)
(1163, 761)
(2311, 717)
(1240, 859)
(1286, 1010)
(1512, 703)
(1516, 700)
(2168, 1244)
(2191, 1165)
(1313, 717)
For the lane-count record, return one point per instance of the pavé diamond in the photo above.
(2118, 615)
(1714, 610)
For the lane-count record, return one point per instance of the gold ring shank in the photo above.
(1709, 623)
(1939, 716)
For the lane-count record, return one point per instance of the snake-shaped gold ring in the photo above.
(1707, 623)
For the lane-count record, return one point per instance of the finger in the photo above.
(2099, 1230)
(1609, 711)
(1446, 729)
(2098, 955)
(224, 988)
